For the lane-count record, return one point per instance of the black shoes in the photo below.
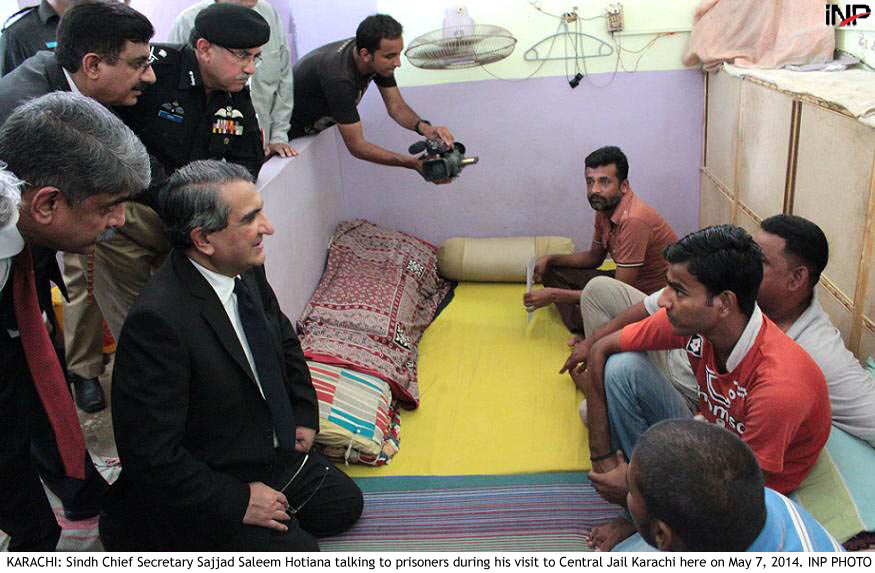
(88, 393)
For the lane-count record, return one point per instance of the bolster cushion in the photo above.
(496, 259)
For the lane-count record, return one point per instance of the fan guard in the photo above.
(460, 47)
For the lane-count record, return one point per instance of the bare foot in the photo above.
(573, 340)
(606, 536)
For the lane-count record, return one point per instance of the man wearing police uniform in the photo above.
(271, 86)
(199, 108)
(28, 31)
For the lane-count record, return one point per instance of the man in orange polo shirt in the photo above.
(626, 227)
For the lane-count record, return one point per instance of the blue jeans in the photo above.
(638, 396)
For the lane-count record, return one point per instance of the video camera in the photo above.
(439, 161)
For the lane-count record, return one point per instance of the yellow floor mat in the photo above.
(492, 399)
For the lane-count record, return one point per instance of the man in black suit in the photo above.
(213, 407)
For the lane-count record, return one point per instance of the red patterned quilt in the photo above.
(379, 291)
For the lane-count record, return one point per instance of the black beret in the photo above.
(232, 26)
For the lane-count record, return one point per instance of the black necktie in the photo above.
(267, 364)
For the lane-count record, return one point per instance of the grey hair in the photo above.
(191, 199)
(75, 144)
(10, 194)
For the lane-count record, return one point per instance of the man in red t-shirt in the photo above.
(753, 380)
(626, 227)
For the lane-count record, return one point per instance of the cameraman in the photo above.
(330, 82)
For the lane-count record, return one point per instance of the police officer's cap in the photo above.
(232, 26)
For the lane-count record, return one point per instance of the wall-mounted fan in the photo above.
(460, 44)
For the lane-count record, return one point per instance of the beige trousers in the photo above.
(126, 261)
(83, 322)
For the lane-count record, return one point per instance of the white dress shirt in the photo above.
(224, 287)
(73, 87)
(11, 243)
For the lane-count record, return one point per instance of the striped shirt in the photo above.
(790, 528)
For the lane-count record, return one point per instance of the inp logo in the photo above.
(852, 13)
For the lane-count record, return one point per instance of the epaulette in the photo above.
(17, 16)
(162, 53)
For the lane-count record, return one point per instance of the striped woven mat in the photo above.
(531, 512)
(77, 535)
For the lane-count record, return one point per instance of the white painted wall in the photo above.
(302, 200)
(859, 40)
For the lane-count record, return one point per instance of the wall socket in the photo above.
(569, 17)
(615, 17)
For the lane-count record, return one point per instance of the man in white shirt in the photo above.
(213, 407)
(271, 86)
(11, 242)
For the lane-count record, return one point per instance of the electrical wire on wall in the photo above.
(585, 73)
(640, 51)
(538, 69)
(577, 52)
(537, 6)
(619, 61)
(562, 24)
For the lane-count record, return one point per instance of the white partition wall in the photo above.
(302, 200)
(768, 152)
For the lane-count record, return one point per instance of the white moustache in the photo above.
(106, 235)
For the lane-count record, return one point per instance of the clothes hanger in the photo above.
(533, 54)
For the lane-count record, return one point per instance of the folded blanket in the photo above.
(379, 291)
(358, 421)
(759, 34)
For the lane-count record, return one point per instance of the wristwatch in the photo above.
(416, 127)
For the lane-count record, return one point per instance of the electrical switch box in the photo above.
(615, 17)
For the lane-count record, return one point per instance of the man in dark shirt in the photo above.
(330, 82)
(199, 108)
(28, 31)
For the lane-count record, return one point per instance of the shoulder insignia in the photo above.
(18, 16)
(344, 45)
(157, 54)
